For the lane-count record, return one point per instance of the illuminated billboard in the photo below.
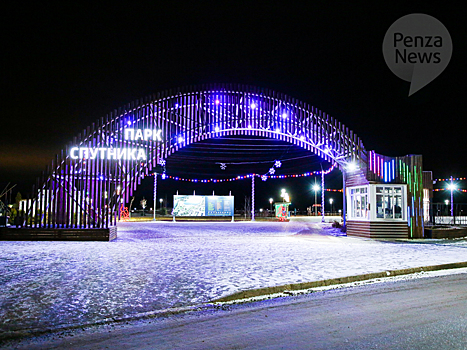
(203, 205)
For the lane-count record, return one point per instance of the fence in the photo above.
(440, 214)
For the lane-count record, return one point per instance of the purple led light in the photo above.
(377, 163)
(253, 106)
(217, 102)
(374, 163)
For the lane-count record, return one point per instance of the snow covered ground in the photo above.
(160, 265)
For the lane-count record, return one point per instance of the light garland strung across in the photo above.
(176, 178)
(447, 189)
(454, 179)
(313, 173)
(272, 170)
(263, 177)
(278, 164)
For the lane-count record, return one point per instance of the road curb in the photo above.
(322, 283)
(19, 334)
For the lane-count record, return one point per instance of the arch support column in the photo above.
(253, 198)
(322, 195)
(155, 196)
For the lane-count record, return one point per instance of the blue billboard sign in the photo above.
(203, 206)
(219, 205)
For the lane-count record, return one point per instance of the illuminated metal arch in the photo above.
(200, 115)
(77, 193)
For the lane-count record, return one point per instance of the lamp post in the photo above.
(452, 187)
(316, 189)
(283, 194)
(270, 204)
(330, 201)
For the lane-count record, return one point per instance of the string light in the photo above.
(242, 177)
(447, 189)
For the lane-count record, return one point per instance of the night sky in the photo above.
(66, 65)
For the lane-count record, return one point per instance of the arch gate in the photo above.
(86, 183)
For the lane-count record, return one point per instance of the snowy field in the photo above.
(161, 265)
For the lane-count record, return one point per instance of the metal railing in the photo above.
(440, 214)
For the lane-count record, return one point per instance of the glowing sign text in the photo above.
(126, 153)
(146, 134)
(108, 153)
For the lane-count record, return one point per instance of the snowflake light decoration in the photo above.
(277, 163)
(264, 177)
(223, 166)
(272, 171)
(162, 162)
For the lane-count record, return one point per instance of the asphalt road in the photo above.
(426, 313)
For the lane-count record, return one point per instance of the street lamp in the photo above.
(160, 201)
(352, 166)
(452, 187)
(330, 201)
(316, 189)
(270, 204)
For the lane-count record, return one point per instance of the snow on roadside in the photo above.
(416, 275)
(155, 266)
